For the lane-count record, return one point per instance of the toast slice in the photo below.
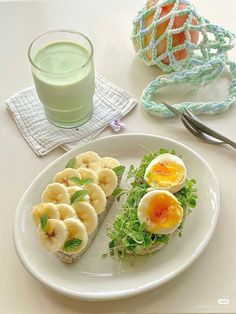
(70, 257)
(74, 206)
(128, 236)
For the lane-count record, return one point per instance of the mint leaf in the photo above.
(71, 163)
(119, 171)
(78, 196)
(72, 245)
(117, 191)
(86, 181)
(79, 181)
(44, 222)
(76, 180)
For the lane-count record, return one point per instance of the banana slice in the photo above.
(72, 189)
(66, 211)
(54, 236)
(87, 215)
(56, 193)
(90, 160)
(109, 162)
(64, 176)
(97, 197)
(42, 209)
(76, 230)
(107, 180)
(88, 174)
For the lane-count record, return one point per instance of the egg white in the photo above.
(162, 158)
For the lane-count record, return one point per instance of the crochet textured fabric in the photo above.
(173, 36)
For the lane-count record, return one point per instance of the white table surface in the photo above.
(108, 24)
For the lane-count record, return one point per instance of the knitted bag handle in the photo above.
(205, 62)
(200, 74)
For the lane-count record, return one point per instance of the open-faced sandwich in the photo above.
(73, 207)
(158, 201)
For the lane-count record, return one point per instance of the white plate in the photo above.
(95, 277)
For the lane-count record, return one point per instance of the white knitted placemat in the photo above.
(110, 103)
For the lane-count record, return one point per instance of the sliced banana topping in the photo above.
(56, 193)
(87, 215)
(109, 162)
(54, 236)
(97, 197)
(67, 215)
(107, 180)
(90, 160)
(72, 189)
(77, 231)
(42, 209)
(64, 176)
(88, 174)
(66, 211)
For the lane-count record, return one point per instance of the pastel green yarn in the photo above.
(205, 62)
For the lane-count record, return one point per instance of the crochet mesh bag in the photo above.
(198, 56)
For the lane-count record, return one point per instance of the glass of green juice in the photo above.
(63, 72)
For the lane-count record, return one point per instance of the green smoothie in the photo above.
(64, 80)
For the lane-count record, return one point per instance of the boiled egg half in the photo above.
(160, 211)
(166, 172)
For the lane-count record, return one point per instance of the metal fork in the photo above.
(203, 136)
(198, 128)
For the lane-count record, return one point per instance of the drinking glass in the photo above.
(63, 72)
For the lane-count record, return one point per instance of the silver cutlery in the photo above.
(203, 136)
(198, 128)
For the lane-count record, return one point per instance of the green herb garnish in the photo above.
(72, 245)
(78, 196)
(118, 192)
(71, 163)
(119, 171)
(44, 222)
(132, 172)
(79, 181)
(127, 235)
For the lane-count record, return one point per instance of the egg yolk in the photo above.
(164, 212)
(165, 174)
